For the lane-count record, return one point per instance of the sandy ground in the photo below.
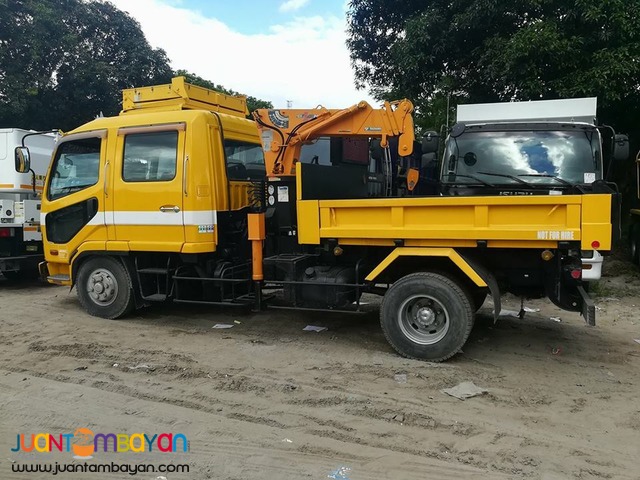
(266, 400)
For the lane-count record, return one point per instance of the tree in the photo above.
(62, 62)
(498, 50)
(252, 102)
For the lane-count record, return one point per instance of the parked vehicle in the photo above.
(181, 198)
(20, 236)
(546, 147)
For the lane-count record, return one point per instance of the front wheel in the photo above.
(104, 288)
(426, 316)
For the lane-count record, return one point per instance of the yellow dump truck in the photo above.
(181, 198)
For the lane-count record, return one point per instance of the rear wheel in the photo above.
(104, 288)
(426, 316)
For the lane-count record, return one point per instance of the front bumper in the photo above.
(592, 267)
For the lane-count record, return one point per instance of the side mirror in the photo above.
(430, 142)
(22, 159)
(620, 147)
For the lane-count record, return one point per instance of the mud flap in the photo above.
(491, 282)
(588, 307)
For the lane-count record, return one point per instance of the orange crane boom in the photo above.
(284, 131)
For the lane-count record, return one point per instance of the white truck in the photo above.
(20, 235)
(549, 147)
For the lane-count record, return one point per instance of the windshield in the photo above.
(75, 167)
(532, 156)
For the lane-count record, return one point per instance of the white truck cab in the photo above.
(524, 148)
(20, 235)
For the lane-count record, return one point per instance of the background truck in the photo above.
(20, 236)
(634, 223)
(546, 147)
(173, 200)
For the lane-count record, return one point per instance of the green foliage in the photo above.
(252, 102)
(62, 62)
(498, 50)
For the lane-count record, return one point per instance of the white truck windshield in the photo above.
(572, 156)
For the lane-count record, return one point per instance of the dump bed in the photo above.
(533, 221)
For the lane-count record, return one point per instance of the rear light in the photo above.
(6, 232)
(576, 273)
(595, 244)
(547, 255)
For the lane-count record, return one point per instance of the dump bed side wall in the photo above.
(523, 222)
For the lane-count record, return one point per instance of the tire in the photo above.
(477, 299)
(104, 288)
(447, 316)
(634, 244)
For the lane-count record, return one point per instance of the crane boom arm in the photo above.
(283, 132)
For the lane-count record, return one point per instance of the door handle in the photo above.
(170, 208)
(184, 175)
(106, 170)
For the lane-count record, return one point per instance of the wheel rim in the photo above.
(102, 287)
(423, 319)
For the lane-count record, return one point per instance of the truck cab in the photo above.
(548, 147)
(170, 176)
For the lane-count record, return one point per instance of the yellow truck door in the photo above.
(73, 213)
(148, 188)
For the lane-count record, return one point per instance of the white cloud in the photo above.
(304, 61)
(292, 5)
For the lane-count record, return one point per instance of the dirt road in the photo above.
(266, 400)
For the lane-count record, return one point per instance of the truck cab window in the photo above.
(245, 161)
(76, 166)
(150, 157)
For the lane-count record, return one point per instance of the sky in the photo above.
(275, 50)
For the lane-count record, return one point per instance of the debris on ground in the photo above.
(340, 473)
(143, 366)
(222, 325)
(400, 377)
(314, 328)
(555, 319)
(465, 390)
(637, 340)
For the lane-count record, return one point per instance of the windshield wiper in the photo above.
(546, 175)
(471, 176)
(512, 177)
